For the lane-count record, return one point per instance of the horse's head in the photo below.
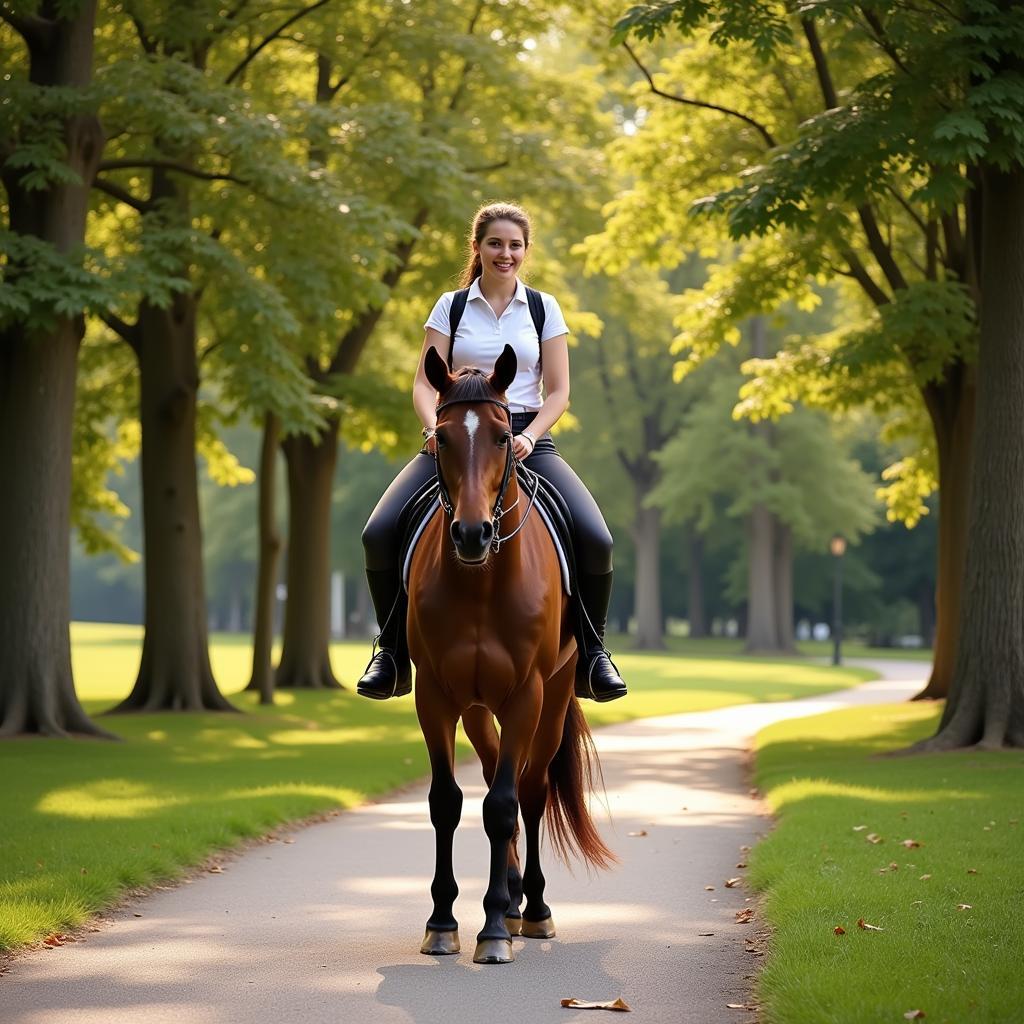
(474, 448)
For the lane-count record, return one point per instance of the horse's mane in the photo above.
(471, 385)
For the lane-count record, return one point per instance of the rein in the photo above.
(497, 512)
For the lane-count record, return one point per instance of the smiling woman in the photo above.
(471, 327)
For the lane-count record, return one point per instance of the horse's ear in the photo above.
(504, 370)
(436, 370)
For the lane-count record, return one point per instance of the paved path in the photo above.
(325, 926)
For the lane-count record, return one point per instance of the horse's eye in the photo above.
(440, 441)
(503, 441)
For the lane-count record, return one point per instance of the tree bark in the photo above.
(986, 702)
(37, 396)
(762, 617)
(650, 626)
(262, 680)
(695, 606)
(175, 673)
(305, 656)
(783, 578)
(951, 407)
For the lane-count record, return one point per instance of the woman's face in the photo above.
(501, 250)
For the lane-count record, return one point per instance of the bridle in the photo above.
(498, 512)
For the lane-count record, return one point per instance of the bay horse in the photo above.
(490, 637)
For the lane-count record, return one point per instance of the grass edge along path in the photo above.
(844, 850)
(90, 821)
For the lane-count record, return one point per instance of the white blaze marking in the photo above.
(472, 422)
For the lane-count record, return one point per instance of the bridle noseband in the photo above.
(498, 511)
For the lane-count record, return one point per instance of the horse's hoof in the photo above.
(440, 943)
(538, 929)
(493, 951)
(514, 925)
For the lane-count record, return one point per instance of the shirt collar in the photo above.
(475, 293)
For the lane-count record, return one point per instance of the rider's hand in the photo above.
(522, 446)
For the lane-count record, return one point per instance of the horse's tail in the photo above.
(570, 780)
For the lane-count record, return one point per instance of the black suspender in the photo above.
(459, 299)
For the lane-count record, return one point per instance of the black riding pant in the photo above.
(382, 535)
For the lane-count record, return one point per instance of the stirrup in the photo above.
(370, 687)
(584, 687)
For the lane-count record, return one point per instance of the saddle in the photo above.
(421, 508)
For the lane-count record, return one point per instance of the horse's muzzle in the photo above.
(472, 540)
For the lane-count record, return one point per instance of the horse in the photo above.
(489, 634)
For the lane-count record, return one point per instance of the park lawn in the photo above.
(952, 942)
(89, 820)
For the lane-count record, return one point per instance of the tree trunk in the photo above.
(37, 397)
(305, 655)
(175, 673)
(783, 578)
(650, 626)
(266, 574)
(951, 406)
(695, 607)
(762, 617)
(986, 702)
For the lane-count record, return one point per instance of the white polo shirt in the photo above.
(482, 337)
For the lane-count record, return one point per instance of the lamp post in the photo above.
(838, 548)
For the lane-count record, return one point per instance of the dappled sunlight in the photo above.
(340, 735)
(804, 789)
(106, 798)
(343, 795)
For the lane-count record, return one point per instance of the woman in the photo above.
(497, 311)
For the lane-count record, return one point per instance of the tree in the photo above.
(828, 192)
(51, 142)
(934, 128)
(209, 153)
(792, 485)
(628, 407)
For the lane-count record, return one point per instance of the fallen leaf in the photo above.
(744, 849)
(709, 888)
(924, 878)
(737, 1006)
(861, 923)
(914, 1015)
(874, 837)
(893, 866)
(583, 1004)
(916, 903)
(859, 828)
(741, 865)
(972, 871)
(705, 935)
(744, 916)
(287, 840)
(215, 869)
(964, 906)
(910, 844)
(731, 883)
(136, 915)
(839, 930)
(54, 940)
(642, 832)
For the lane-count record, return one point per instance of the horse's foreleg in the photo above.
(437, 722)
(478, 722)
(501, 812)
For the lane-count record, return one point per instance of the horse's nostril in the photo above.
(486, 533)
(456, 530)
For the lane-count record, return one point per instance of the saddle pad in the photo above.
(425, 504)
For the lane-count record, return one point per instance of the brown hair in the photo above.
(484, 218)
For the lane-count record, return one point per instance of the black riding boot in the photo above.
(388, 673)
(596, 674)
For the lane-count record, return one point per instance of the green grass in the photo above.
(818, 870)
(88, 820)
